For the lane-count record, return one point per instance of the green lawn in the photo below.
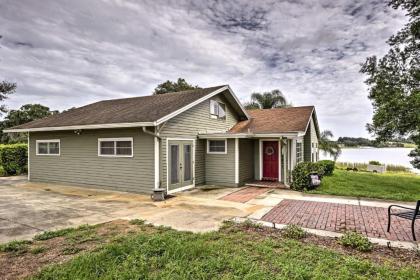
(392, 186)
(227, 254)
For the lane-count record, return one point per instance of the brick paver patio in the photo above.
(245, 194)
(371, 221)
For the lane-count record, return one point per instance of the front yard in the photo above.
(122, 250)
(391, 186)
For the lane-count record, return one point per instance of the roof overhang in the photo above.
(77, 127)
(290, 135)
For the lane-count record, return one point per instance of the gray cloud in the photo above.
(69, 53)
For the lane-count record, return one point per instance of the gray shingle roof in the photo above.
(128, 110)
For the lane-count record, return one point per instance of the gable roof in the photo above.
(129, 112)
(277, 120)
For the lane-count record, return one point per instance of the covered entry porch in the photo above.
(264, 160)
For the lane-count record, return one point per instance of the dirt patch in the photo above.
(17, 265)
(379, 255)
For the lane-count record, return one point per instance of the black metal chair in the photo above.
(412, 215)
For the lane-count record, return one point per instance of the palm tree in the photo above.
(267, 100)
(329, 146)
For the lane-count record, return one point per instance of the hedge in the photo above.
(14, 158)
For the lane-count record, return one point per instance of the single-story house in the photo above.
(173, 141)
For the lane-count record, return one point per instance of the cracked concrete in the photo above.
(28, 208)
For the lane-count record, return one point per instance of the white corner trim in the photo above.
(260, 158)
(280, 147)
(48, 141)
(29, 158)
(216, 153)
(114, 140)
(157, 161)
(236, 161)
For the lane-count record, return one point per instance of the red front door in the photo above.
(270, 160)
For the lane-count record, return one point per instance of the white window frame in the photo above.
(302, 158)
(216, 153)
(48, 148)
(115, 140)
(216, 116)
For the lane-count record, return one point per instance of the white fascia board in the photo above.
(88, 126)
(223, 136)
(240, 104)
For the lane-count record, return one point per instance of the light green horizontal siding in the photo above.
(310, 138)
(79, 163)
(220, 168)
(246, 160)
(188, 125)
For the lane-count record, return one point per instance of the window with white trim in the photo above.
(217, 110)
(216, 146)
(299, 152)
(115, 147)
(49, 147)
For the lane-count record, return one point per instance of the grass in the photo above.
(17, 246)
(162, 253)
(391, 186)
(362, 166)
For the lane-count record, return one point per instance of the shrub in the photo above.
(328, 166)
(357, 241)
(294, 232)
(374, 162)
(301, 174)
(14, 158)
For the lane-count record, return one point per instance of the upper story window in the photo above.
(299, 152)
(49, 147)
(217, 110)
(216, 146)
(115, 147)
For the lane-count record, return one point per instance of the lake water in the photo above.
(384, 155)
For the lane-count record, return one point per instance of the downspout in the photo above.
(150, 133)
(156, 140)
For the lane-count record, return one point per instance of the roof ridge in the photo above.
(163, 94)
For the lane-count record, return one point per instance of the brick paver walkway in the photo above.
(245, 194)
(371, 221)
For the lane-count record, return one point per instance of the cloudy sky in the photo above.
(69, 53)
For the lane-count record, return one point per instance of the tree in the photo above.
(170, 86)
(267, 100)
(6, 88)
(26, 113)
(394, 82)
(329, 146)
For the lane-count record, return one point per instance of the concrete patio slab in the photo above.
(30, 208)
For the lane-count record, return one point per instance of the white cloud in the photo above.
(69, 53)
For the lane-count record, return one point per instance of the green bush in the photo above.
(374, 162)
(301, 174)
(294, 232)
(14, 158)
(357, 241)
(328, 166)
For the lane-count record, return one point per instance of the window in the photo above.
(115, 147)
(299, 152)
(216, 146)
(217, 110)
(48, 147)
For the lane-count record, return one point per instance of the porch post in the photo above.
(236, 161)
(157, 161)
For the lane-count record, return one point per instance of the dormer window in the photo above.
(217, 110)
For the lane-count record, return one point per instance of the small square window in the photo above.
(216, 146)
(217, 110)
